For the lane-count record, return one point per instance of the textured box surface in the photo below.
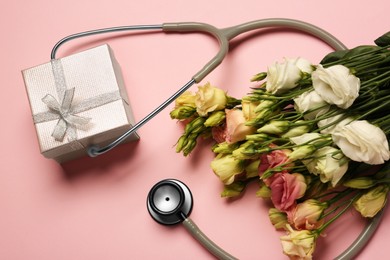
(78, 101)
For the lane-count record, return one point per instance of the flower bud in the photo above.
(245, 151)
(226, 167)
(195, 125)
(370, 203)
(252, 170)
(181, 143)
(275, 127)
(233, 190)
(190, 145)
(297, 131)
(259, 76)
(264, 192)
(215, 118)
(278, 218)
(224, 148)
(182, 112)
(264, 104)
(301, 152)
(257, 137)
(360, 183)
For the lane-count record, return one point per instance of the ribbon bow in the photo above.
(68, 121)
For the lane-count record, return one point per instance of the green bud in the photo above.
(245, 151)
(360, 183)
(301, 152)
(233, 190)
(297, 131)
(189, 146)
(275, 127)
(252, 170)
(215, 118)
(264, 192)
(278, 218)
(264, 105)
(195, 124)
(183, 112)
(259, 76)
(257, 137)
(225, 148)
(181, 143)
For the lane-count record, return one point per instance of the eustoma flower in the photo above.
(209, 99)
(307, 215)
(284, 76)
(299, 244)
(362, 142)
(286, 188)
(336, 85)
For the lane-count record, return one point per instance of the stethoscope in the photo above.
(170, 201)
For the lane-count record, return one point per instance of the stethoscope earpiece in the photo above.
(169, 202)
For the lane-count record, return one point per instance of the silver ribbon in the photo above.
(64, 111)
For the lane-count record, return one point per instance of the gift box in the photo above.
(78, 101)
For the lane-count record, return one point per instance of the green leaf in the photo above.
(333, 56)
(384, 40)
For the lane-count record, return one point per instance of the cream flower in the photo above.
(299, 244)
(209, 99)
(226, 167)
(370, 203)
(336, 85)
(185, 99)
(330, 164)
(312, 103)
(284, 76)
(362, 142)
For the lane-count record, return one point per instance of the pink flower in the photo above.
(286, 188)
(272, 160)
(306, 215)
(234, 129)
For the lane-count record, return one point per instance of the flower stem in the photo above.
(351, 201)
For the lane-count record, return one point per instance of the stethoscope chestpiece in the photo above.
(169, 202)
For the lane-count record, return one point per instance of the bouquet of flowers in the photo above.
(314, 138)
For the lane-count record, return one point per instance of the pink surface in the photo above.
(96, 208)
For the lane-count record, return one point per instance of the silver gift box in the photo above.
(78, 101)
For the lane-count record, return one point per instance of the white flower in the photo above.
(311, 102)
(336, 85)
(284, 76)
(362, 142)
(329, 163)
(331, 123)
(209, 99)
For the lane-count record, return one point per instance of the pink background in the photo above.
(96, 208)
